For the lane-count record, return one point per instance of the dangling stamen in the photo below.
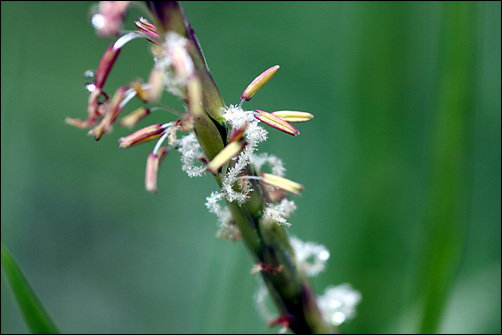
(152, 169)
(159, 142)
(123, 40)
(129, 94)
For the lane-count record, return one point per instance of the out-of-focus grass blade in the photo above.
(34, 314)
(446, 210)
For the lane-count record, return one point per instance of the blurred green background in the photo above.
(401, 167)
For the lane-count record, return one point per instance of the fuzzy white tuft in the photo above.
(190, 153)
(338, 303)
(310, 257)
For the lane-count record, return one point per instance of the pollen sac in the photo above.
(282, 183)
(143, 135)
(238, 134)
(293, 116)
(156, 84)
(225, 155)
(141, 93)
(112, 112)
(105, 65)
(258, 83)
(276, 122)
(146, 27)
(234, 147)
(131, 119)
(152, 169)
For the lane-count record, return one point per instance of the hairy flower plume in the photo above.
(252, 202)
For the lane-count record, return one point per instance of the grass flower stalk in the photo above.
(252, 203)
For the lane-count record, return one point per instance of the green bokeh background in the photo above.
(381, 161)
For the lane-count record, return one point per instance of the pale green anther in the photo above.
(131, 119)
(225, 155)
(258, 83)
(293, 116)
(282, 183)
(276, 122)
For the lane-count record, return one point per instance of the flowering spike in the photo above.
(222, 140)
(152, 168)
(282, 183)
(258, 83)
(293, 116)
(225, 155)
(143, 135)
(276, 122)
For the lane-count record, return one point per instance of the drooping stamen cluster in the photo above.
(102, 114)
(174, 70)
(104, 110)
